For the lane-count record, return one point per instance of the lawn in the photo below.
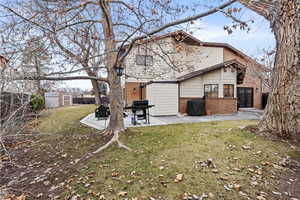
(244, 165)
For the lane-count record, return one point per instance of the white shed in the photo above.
(52, 99)
(57, 99)
(164, 97)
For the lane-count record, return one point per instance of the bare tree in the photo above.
(118, 25)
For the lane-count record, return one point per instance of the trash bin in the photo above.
(196, 107)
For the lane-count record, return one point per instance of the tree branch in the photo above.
(195, 17)
(74, 71)
(58, 78)
(262, 7)
(26, 19)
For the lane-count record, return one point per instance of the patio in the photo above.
(91, 121)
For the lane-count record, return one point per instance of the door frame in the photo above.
(70, 100)
(252, 102)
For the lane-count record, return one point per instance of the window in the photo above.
(211, 90)
(228, 90)
(144, 60)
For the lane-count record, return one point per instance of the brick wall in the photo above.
(212, 105)
(221, 105)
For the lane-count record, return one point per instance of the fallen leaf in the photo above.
(223, 178)
(122, 194)
(276, 193)
(260, 198)
(246, 147)
(211, 195)
(22, 197)
(237, 187)
(178, 178)
(243, 193)
(227, 187)
(254, 183)
(102, 197)
(114, 174)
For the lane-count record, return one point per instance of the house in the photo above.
(171, 69)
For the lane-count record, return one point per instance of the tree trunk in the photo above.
(96, 89)
(116, 102)
(282, 115)
(116, 123)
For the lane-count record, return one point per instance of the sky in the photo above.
(210, 29)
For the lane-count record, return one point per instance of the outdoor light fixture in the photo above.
(119, 70)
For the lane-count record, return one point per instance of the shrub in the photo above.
(37, 102)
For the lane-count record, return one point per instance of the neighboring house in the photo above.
(173, 68)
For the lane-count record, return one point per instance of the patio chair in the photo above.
(102, 113)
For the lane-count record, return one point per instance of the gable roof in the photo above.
(241, 70)
(185, 37)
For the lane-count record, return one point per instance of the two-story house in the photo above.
(171, 69)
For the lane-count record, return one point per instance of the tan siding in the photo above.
(195, 87)
(212, 77)
(165, 98)
(186, 59)
(229, 55)
(192, 88)
(160, 70)
(194, 58)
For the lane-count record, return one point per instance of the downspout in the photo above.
(179, 97)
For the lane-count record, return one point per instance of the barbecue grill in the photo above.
(140, 110)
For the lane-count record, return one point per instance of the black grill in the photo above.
(140, 105)
(140, 110)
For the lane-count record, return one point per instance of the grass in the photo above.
(162, 152)
(65, 120)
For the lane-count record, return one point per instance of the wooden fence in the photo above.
(89, 100)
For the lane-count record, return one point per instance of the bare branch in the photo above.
(66, 78)
(26, 19)
(262, 7)
(177, 22)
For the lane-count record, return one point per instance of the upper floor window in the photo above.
(228, 90)
(144, 60)
(211, 90)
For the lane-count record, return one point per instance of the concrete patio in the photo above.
(91, 121)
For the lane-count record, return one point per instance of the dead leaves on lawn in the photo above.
(230, 178)
(14, 197)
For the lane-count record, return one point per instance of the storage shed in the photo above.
(164, 95)
(57, 99)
